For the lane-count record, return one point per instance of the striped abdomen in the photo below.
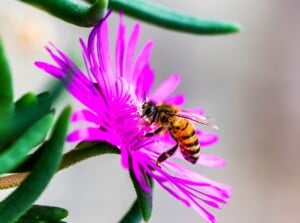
(184, 132)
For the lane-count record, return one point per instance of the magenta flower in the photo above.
(113, 94)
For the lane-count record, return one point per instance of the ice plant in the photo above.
(113, 90)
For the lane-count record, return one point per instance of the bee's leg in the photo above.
(155, 132)
(155, 117)
(162, 157)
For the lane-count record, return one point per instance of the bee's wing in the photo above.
(198, 118)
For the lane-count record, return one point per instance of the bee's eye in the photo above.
(149, 111)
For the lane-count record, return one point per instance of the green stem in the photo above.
(144, 197)
(81, 152)
(86, 150)
(157, 15)
(69, 11)
(133, 215)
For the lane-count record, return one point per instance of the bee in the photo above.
(179, 124)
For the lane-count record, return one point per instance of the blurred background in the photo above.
(249, 82)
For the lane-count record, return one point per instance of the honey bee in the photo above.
(180, 126)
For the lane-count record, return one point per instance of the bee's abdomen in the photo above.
(188, 141)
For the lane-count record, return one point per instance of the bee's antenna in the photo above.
(144, 96)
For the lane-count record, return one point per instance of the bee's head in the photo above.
(148, 109)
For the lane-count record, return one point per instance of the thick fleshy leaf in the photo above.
(46, 99)
(18, 151)
(170, 19)
(13, 128)
(19, 201)
(26, 101)
(72, 11)
(6, 90)
(31, 107)
(144, 198)
(44, 213)
(28, 110)
(133, 215)
(34, 221)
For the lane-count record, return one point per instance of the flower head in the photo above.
(113, 91)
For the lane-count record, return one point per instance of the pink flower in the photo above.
(113, 93)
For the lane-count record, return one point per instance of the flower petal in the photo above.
(144, 82)
(120, 48)
(177, 100)
(198, 111)
(142, 60)
(214, 188)
(84, 115)
(91, 134)
(165, 88)
(207, 138)
(99, 58)
(73, 79)
(50, 69)
(140, 173)
(211, 161)
(130, 50)
(179, 196)
(124, 157)
(208, 217)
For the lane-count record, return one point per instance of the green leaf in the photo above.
(45, 213)
(35, 221)
(72, 12)
(18, 202)
(6, 90)
(32, 107)
(133, 215)
(28, 109)
(31, 221)
(27, 101)
(16, 127)
(18, 151)
(144, 197)
(55, 89)
(170, 19)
